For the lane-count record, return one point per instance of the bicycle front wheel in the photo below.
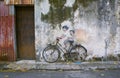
(51, 54)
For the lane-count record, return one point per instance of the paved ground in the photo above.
(27, 64)
(62, 74)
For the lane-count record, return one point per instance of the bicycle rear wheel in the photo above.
(51, 54)
(82, 52)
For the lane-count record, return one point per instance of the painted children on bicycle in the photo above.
(66, 37)
(65, 47)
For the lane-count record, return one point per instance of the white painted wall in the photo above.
(86, 24)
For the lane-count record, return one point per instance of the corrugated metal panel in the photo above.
(6, 34)
(4, 10)
(19, 2)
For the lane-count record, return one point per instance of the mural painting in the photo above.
(66, 45)
(78, 21)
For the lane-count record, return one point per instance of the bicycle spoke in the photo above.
(51, 54)
(82, 52)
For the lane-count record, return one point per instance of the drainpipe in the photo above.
(106, 48)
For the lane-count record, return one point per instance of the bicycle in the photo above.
(52, 52)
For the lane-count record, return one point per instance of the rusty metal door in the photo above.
(7, 49)
(25, 32)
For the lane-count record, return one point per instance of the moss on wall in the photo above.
(58, 12)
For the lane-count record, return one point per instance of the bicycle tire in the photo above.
(81, 50)
(55, 57)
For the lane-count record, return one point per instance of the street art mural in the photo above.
(66, 47)
(92, 23)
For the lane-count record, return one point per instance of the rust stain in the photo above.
(27, 1)
(4, 10)
(81, 35)
(6, 34)
(14, 2)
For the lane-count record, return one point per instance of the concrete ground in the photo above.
(24, 65)
(62, 74)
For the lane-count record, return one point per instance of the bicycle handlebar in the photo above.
(57, 40)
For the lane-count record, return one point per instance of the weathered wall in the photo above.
(95, 23)
(7, 40)
(117, 15)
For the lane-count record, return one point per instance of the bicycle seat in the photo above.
(71, 42)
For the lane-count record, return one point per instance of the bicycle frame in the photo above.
(62, 49)
(68, 54)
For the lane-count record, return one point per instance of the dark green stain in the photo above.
(58, 12)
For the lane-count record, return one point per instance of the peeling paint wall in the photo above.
(96, 24)
(117, 36)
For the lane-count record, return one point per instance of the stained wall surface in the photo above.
(95, 22)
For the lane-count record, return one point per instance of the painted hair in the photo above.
(65, 27)
(73, 31)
